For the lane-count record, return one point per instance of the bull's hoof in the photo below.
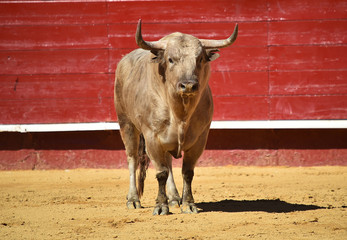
(174, 204)
(161, 209)
(133, 205)
(189, 208)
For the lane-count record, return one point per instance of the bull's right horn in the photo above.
(144, 44)
(209, 43)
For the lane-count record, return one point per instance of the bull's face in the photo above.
(184, 60)
(184, 64)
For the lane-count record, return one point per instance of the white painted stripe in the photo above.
(59, 127)
(100, 126)
(280, 124)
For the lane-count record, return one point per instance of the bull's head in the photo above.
(184, 59)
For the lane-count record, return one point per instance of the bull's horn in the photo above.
(144, 44)
(220, 43)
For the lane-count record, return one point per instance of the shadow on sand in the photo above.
(261, 205)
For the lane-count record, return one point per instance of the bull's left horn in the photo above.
(144, 44)
(207, 43)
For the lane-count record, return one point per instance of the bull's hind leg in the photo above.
(189, 160)
(130, 137)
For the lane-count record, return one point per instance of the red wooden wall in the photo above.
(58, 58)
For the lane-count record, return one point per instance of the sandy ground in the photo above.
(234, 203)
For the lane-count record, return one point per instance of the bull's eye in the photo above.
(171, 61)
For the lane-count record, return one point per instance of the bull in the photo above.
(164, 107)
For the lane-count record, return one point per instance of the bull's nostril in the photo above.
(188, 87)
(195, 87)
(182, 86)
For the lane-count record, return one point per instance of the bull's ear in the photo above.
(212, 54)
(157, 56)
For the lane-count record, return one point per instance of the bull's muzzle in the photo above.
(188, 87)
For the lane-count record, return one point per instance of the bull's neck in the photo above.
(182, 111)
(183, 107)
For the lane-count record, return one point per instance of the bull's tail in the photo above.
(143, 163)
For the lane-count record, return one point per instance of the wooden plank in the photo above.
(250, 34)
(53, 13)
(307, 9)
(308, 107)
(20, 87)
(309, 82)
(36, 159)
(241, 59)
(54, 61)
(312, 157)
(181, 11)
(65, 110)
(308, 32)
(53, 37)
(239, 83)
(308, 57)
(240, 108)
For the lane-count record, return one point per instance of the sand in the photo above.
(234, 203)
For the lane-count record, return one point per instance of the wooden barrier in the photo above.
(58, 60)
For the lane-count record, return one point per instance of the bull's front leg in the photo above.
(188, 205)
(173, 195)
(161, 207)
(159, 159)
(189, 160)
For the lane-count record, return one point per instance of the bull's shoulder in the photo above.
(205, 107)
(202, 116)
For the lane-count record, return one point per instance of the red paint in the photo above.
(308, 32)
(242, 59)
(53, 37)
(239, 83)
(63, 86)
(51, 13)
(104, 149)
(308, 107)
(66, 110)
(187, 11)
(289, 62)
(66, 54)
(32, 159)
(308, 83)
(308, 57)
(54, 61)
(93, 158)
(307, 9)
(239, 108)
